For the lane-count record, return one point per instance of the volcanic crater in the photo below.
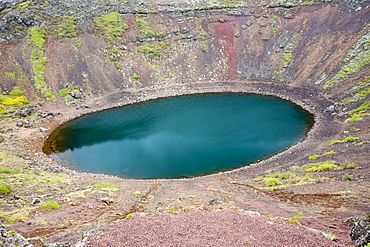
(59, 61)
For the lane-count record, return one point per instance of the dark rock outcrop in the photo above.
(9, 3)
(360, 232)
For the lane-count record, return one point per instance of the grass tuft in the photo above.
(50, 205)
(4, 190)
(106, 186)
(345, 140)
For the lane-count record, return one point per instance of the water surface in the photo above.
(180, 136)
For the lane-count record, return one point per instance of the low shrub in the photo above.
(329, 153)
(280, 175)
(50, 205)
(345, 140)
(257, 179)
(314, 157)
(347, 177)
(2, 109)
(106, 186)
(272, 181)
(6, 170)
(16, 92)
(4, 190)
(345, 166)
(322, 167)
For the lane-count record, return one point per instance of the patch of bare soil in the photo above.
(203, 228)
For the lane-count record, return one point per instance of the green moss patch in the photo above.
(106, 186)
(4, 190)
(37, 36)
(316, 156)
(50, 205)
(356, 59)
(359, 113)
(324, 166)
(111, 26)
(66, 26)
(345, 140)
(280, 180)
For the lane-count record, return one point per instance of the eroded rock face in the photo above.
(360, 232)
(9, 3)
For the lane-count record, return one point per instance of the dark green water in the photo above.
(179, 137)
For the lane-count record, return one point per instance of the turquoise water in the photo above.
(179, 137)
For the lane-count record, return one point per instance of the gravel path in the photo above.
(204, 228)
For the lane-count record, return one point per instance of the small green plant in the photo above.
(10, 75)
(289, 220)
(265, 39)
(66, 27)
(106, 186)
(257, 179)
(4, 190)
(357, 117)
(355, 129)
(50, 205)
(145, 29)
(2, 109)
(346, 166)
(16, 92)
(136, 77)
(359, 113)
(272, 181)
(299, 216)
(345, 140)
(280, 175)
(324, 166)
(329, 153)
(37, 36)
(314, 157)
(7, 170)
(151, 50)
(288, 57)
(347, 177)
(111, 26)
(136, 193)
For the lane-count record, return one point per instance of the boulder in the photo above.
(360, 231)
(330, 109)
(215, 201)
(11, 238)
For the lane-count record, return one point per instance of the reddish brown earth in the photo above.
(203, 228)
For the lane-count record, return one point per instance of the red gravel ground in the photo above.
(204, 228)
